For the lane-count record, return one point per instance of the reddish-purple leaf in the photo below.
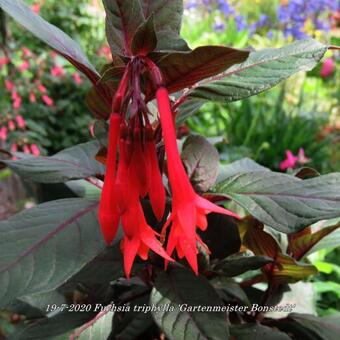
(122, 21)
(301, 245)
(184, 69)
(56, 238)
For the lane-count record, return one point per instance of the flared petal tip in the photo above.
(211, 207)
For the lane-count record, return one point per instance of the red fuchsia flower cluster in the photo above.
(292, 161)
(138, 175)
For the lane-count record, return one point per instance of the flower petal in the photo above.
(211, 207)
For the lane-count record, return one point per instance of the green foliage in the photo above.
(264, 128)
(54, 251)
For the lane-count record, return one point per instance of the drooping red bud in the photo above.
(156, 190)
(108, 214)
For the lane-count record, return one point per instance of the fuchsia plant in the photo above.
(148, 199)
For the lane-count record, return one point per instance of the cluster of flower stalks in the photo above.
(133, 173)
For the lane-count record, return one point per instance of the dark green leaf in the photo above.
(51, 35)
(257, 332)
(76, 162)
(167, 19)
(222, 236)
(41, 301)
(181, 70)
(83, 188)
(310, 327)
(168, 41)
(56, 238)
(99, 329)
(168, 14)
(283, 202)
(101, 130)
(122, 21)
(49, 327)
(145, 39)
(129, 325)
(261, 71)
(241, 166)
(201, 160)
(124, 18)
(187, 109)
(99, 108)
(236, 266)
(103, 269)
(230, 290)
(179, 288)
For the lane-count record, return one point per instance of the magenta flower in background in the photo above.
(24, 66)
(26, 149)
(47, 100)
(3, 133)
(20, 121)
(77, 78)
(328, 67)
(11, 125)
(33, 98)
(289, 162)
(57, 71)
(9, 86)
(302, 159)
(35, 150)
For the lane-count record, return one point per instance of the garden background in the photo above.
(42, 107)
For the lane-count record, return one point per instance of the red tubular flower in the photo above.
(188, 209)
(108, 214)
(156, 188)
(139, 237)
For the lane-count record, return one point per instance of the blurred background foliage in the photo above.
(42, 107)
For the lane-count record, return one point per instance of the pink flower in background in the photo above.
(77, 78)
(35, 8)
(4, 61)
(26, 149)
(41, 88)
(26, 52)
(289, 162)
(20, 121)
(35, 150)
(15, 95)
(24, 66)
(53, 55)
(3, 133)
(9, 85)
(105, 51)
(47, 100)
(57, 71)
(17, 103)
(302, 159)
(33, 98)
(14, 147)
(327, 68)
(11, 125)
